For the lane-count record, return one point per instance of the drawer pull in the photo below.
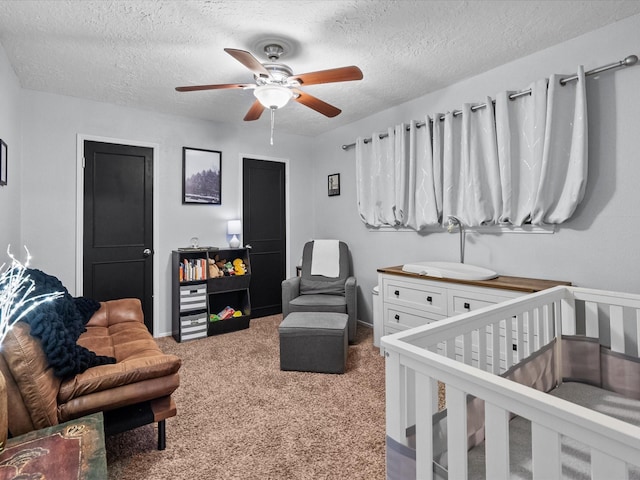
(396, 293)
(467, 306)
(429, 299)
(397, 317)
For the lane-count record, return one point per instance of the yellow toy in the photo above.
(239, 267)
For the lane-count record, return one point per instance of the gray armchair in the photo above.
(317, 293)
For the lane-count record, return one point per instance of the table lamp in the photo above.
(234, 227)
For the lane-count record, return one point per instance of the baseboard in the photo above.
(365, 324)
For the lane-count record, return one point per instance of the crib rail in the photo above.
(468, 353)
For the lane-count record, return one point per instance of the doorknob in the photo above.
(146, 252)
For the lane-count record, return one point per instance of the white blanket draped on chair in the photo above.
(522, 161)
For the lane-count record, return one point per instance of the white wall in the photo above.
(51, 125)
(597, 248)
(10, 134)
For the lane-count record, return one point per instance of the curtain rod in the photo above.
(626, 62)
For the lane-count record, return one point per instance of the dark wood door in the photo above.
(264, 228)
(118, 224)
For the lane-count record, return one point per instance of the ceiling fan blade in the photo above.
(254, 112)
(213, 87)
(343, 74)
(248, 61)
(316, 104)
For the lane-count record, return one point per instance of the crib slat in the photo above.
(616, 321)
(451, 348)
(591, 319)
(495, 348)
(556, 317)
(548, 319)
(457, 432)
(496, 441)
(568, 316)
(604, 466)
(519, 337)
(466, 348)
(545, 452)
(538, 318)
(425, 389)
(482, 348)
(508, 343)
(531, 336)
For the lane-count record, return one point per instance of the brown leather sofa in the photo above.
(134, 391)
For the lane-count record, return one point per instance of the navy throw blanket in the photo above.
(58, 325)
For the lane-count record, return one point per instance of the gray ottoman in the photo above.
(314, 342)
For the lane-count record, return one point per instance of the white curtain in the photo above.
(542, 147)
(523, 162)
(472, 179)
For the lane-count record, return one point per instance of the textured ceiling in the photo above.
(135, 52)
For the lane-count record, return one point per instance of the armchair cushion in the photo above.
(319, 303)
(319, 284)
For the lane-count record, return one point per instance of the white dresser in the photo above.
(410, 300)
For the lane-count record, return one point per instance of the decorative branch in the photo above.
(15, 293)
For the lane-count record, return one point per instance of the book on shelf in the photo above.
(193, 269)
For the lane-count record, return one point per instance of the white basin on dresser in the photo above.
(459, 271)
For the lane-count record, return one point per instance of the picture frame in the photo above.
(3, 162)
(333, 184)
(201, 176)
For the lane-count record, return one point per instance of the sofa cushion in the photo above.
(137, 355)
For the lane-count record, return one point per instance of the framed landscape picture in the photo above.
(3, 163)
(201, 176)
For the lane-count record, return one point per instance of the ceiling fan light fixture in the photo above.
(273, 96)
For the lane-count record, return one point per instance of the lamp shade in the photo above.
(234, 227)
(273, 96)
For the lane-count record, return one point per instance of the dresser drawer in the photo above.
(193, 297)
(403, 318)
(425, 297)
(463, 302)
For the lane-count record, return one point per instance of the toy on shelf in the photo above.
(239, 267)
(214, 270)
(225, 313)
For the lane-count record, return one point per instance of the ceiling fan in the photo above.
(275, 84)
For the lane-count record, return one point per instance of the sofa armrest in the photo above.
(112, 312)
(350, 293)
(290, 290)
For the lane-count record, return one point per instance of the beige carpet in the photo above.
(240, 417)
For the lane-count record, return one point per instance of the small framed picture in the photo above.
(3, 163)
(334, 184)
(201, 176)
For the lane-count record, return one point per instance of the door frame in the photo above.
(287, 195)
(80, 139)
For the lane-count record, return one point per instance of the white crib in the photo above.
(468, 363)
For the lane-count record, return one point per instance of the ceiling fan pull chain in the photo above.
(273, 117)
